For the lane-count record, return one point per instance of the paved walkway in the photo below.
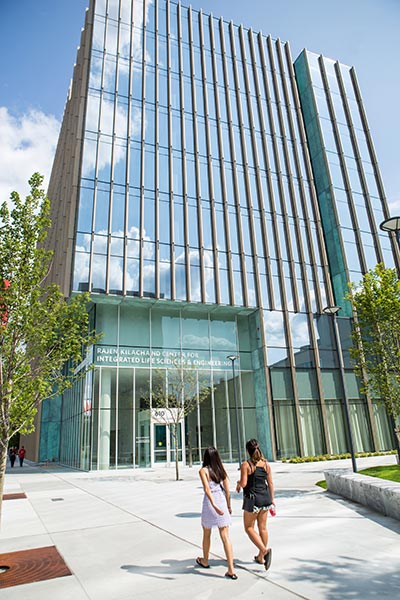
(135, 534)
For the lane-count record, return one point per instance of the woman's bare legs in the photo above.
(249, 520)
(263, 531)
(206, 547)
(224, 533)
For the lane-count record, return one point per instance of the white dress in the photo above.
(209, 516)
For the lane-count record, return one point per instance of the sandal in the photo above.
(199, 562)
(233, 576)
(268, 559)
(260, 562)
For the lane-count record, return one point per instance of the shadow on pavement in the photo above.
(169, 569)
(367, 513)
(345, 578)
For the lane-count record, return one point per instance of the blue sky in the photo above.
(38, 41)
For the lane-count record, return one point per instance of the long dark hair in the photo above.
(254, 451)
(212, 461)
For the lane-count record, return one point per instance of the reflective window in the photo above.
(85, 210)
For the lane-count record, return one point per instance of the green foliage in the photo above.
(40, 332)
(376, 335)
(322, 457)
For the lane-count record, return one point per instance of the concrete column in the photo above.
(105, 419)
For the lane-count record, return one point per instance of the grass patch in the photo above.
(390, 472)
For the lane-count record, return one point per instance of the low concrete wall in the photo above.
(379, 494)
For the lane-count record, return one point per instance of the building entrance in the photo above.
(164, 444)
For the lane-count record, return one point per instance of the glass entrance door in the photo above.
(161, 450)
(164, 443)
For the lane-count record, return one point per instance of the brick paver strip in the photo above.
(15, 496)
(26, 566)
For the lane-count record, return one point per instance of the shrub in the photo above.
(321, 457)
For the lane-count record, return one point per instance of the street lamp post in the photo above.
(332, 311)
(232, 358)
(392, 224)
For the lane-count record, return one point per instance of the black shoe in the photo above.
(268, 559)
(200, 563)
(233, 576)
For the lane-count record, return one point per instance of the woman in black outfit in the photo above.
(258, 498)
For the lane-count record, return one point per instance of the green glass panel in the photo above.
(310, 423)
(383, 426)
(360, 426)
(223, 335)
(331, 384)
(307, 385)
(165, 329)
(107, 323)
(244, 333)
(351, 385)
(222, 423)
(195, 332)
(286, 430)
(336, 427)
(134, 327)
(281, 383)
(312, 120)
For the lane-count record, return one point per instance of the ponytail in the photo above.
(254, 451)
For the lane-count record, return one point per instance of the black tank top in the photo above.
(257, 485)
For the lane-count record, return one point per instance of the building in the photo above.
(214, 196)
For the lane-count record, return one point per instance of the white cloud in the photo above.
(27, 145)
(394, 206)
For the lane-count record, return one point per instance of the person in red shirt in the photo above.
(21, 454)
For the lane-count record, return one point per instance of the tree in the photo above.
(376, 337)
(175, 395)
(42, 336)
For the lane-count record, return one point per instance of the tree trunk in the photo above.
(176, 451)
(397, 433)
(3, 464)
(190, 450)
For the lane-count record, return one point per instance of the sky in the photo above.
(39, 39)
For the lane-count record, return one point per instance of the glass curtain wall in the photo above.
(113, 426)
(197, 186)
(123, 438)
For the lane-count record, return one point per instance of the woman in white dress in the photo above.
(216, 510)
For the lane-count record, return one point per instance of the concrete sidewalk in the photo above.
(135, 534)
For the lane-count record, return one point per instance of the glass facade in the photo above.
(347, 179)
(213, 175)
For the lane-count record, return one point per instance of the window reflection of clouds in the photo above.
(105, 139)
(274, 329)
(121, 126)
(195, 282)
(299, 329)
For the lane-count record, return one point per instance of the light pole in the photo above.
(332, 311)
(232, 358)
(392, 224)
